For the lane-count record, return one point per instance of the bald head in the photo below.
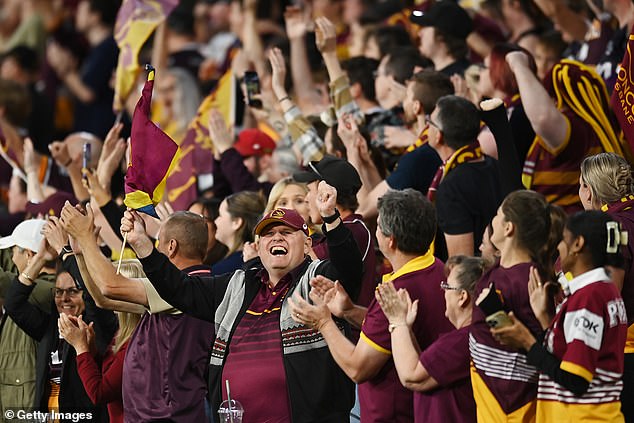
(189, 230)
(75, 144)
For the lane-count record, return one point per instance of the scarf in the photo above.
(624, 203)
(466, 154)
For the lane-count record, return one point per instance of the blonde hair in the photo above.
(127, 325)
(278, 190)
(609, 177)
(133, 269)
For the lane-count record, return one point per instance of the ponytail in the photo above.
(603, 237)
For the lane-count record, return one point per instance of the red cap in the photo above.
(286, 217)
(253, 142)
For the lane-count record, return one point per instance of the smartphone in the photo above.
(252, 83)
(85, 162)
(498, 320)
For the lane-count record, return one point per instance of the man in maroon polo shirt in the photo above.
(405, 230)
(259, 348)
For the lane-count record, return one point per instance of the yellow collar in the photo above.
(417, 263)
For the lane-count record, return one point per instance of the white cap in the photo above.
(27, 234)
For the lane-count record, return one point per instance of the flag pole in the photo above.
(119, 117)
(125, 238)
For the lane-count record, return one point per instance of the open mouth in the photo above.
(278, 251)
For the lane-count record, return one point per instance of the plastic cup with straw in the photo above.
(230, 407)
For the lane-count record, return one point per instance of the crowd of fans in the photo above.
(401, 211)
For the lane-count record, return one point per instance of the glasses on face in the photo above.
(444, 285)
(431, 122)
(72, 292)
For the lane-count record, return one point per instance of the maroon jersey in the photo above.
(555, 173)
(383, 398)
(508, 378)
(447, 361)
(588, 336)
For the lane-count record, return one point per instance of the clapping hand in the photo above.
(76, 332)
(333, 294)
(78, 224)
(314, 316)
(397, 306)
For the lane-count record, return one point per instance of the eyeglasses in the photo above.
(72, 292)
(444, 285)
(432, 123)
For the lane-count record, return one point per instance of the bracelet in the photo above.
(27, 277)
(284, 98)
(331, 219)
(393, 326)
(66, 249)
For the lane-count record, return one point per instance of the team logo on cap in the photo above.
(278, 214)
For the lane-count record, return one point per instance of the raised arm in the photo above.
(509, 163)
(303, 84)
(303, 134)
(101, 300)
(251, 42)
(345, 262)
(117, 287)
(28, 317)
(358, 154)
(190, 294)
(564, 17)
(326, 40)
(34, 192)
(547, 121)
(231, 162)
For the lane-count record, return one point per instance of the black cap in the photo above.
(447, 16)
(337, 172)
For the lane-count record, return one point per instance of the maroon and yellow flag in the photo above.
(623, 94)
(197, 146)
(153, 155)
(136, 20)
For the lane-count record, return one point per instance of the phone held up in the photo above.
(252, 84)
(85, 162)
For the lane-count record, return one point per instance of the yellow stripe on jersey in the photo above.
(629, 341)
(488, 408)
(374, 345)
(576, 369)
(266, 310)
(555, 411)
(556, 178)
(565, 200)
